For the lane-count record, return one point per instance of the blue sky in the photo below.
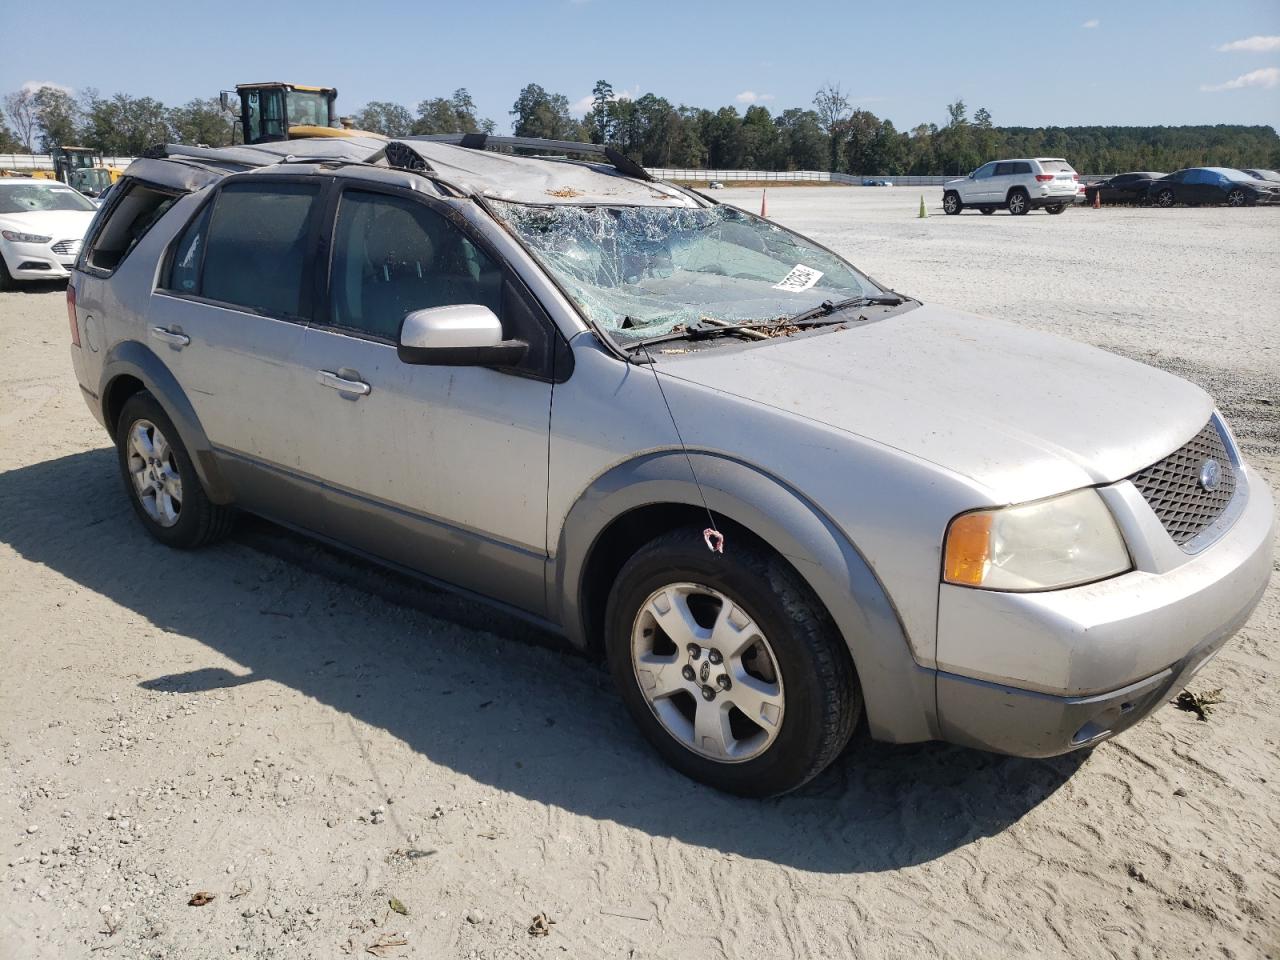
(1130, 62)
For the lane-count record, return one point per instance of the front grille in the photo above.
(1173, 489)
(66, 247)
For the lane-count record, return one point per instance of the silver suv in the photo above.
(773, 494)
(1018, 186)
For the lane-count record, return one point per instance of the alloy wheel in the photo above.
(950, 203)
(1017, 204)
(154, 472)
(1165, 198)
(1235, 198)
(707, 672)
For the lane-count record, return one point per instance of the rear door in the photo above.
(439, 468)
(228, 319)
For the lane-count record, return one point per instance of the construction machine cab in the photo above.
(282, 111)
(67, 161)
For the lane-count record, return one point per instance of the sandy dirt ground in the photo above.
(317, 743)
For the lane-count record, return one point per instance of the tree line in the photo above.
(829, 134)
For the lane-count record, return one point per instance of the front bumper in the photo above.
(1077, 666)
(37, 261)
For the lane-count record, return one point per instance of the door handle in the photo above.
(171, 337)
(341, 384)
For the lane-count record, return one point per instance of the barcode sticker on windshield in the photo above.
(800, 278)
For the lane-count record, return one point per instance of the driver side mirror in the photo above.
(464, 335)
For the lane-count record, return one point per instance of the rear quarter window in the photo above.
(134, 210)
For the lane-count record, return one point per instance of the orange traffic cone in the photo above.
(1097, 199)
(764, 202)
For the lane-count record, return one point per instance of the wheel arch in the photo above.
(638, 500)
(130, 367)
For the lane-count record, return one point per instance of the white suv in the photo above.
(1016, 185)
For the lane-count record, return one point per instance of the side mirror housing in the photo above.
(463, 335)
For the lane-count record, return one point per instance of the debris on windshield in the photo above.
(564, 193)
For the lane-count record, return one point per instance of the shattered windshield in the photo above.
(643, 271)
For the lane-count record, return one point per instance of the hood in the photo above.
(58, 224)
(1024, 414)
(948, 183)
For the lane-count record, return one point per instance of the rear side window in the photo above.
(255, 247)
(1021, 166)
(1005, 169)
(131, 215)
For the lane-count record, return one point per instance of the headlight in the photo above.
(1061, 542)
(14, 237)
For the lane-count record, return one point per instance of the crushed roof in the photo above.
(501, 176)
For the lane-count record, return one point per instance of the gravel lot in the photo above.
(317, 743)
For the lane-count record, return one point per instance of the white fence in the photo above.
(43, 161)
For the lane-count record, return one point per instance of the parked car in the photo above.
(773, 494)
(1270, 175)
(876, 182)
(1018, 186)
(1211, 185)
(41, 225)
(1122, 188)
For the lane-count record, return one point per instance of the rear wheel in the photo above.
(729, 665)
(1055, 208)
(987, 211)
(1164, 198)
(161, 480)
(951, 203)
(1018, 202)
(1236, 198)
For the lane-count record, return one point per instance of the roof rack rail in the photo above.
(483, 141)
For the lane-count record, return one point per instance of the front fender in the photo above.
(134, 359)
(898, 692)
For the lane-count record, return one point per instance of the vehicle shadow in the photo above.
(487, 695)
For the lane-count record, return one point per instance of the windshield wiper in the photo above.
(705, 329)
(827, 307)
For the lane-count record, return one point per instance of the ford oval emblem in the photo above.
(1210, 475)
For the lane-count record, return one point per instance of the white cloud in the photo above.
(1266, 78)
(1090, 24)
(1251, 45)
(582, 107)
(34, 85)
(750, 96)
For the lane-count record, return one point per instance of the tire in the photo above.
(1018, 203)
(796, 674)
(1236, 198)
(1055, 208)
(1165, 199)
(987, 211)
(951, 203)
(6, 278)
(161, 480)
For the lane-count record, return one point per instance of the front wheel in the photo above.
(161, 480)
(729, 665)
(1164, 198)
(1236, 198)
(951, 203)
(1018, 202)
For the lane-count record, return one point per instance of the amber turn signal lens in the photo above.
(968, 549)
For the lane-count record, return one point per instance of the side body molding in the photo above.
(899, 693)
(133, 359)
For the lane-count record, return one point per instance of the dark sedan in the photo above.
(1122, 188)
(1197, 185)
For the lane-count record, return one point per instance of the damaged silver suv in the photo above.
(774, 495)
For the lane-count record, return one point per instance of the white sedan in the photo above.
(42, 224)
